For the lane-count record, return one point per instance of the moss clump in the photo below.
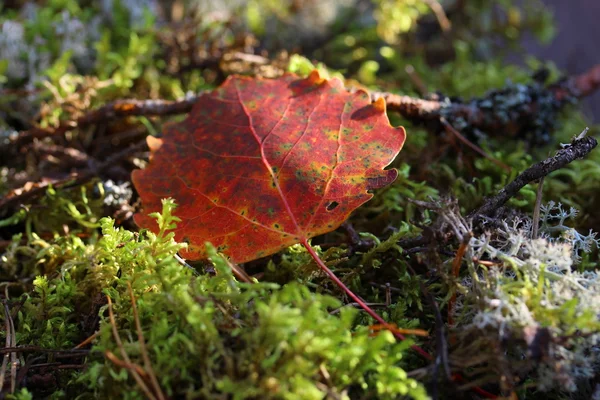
(207, 335)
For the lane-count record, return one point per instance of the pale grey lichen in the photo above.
(135, 8)
(14, 49)
(75, 36)
(29, 58)
(554, 228)
(536, 287)
(117, 194)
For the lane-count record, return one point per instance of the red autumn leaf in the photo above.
(259, 165)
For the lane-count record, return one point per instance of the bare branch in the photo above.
(578, 149)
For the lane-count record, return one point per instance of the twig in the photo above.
(23, 195)
(410, 107)
(579, 148)
(112, 111)
(585, 84)
(64, 353)
(87, 341)
(420, 110)
(123, 364)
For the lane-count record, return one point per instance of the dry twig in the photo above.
(109, 112)
(578, 149)
(22, 195)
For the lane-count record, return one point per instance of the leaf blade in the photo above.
(260, 165)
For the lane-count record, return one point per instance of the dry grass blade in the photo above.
(456, 263)
(537, 208)
(143, 349)
(8, 344)
(87, 341)
(135, 372)
(450, 129)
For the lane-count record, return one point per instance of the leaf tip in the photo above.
(379, 105)
(154, 143)
(382, 180)
(315, 77)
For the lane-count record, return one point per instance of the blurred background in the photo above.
(574, 47)
(364, 39)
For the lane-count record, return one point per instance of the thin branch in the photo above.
(420, 110)
(412, 108)
(63, 353)
(578, 149)
(87, 341)
(585, 84)
(22, 195)
(112, 111)
(417, 109)
(440, 15)
(123, 364)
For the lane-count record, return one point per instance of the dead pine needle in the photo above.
(144, 350)
(450, 129)
(536, 210)
(11, 342)
(456, 263)
(136, 371)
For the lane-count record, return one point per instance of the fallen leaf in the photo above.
(259, 165)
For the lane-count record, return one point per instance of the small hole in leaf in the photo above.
(331, 206)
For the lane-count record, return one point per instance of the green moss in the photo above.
(288, 335)
(247, 340)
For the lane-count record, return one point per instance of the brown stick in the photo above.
(579, 148)
(410, 107)
(22, 195)
(585, 84)
(112, 111)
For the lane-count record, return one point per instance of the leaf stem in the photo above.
(358, 300)
(364, 306)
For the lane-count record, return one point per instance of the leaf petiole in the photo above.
(358, 300)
